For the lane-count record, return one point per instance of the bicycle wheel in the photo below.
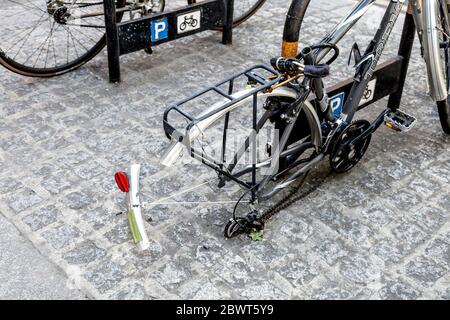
(45, 38)
(243, 9)
(444, 106)
(56, 36)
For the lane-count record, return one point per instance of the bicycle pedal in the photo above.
(399, 121)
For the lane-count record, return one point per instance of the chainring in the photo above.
(345, 155)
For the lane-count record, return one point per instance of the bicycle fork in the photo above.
(426, 14)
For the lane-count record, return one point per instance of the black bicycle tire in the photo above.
(52, 72)
(292, 27)
(241, 19)
(444, 114)
(444, 106)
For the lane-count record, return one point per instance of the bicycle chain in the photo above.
(287, 201)
(259, 223)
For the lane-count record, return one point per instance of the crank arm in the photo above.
(373, 127)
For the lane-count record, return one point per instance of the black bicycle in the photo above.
(284, 115)
(59, 36)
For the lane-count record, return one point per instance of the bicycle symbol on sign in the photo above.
(367, 94)
(189, 21)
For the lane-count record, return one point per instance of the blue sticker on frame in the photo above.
(336, 103)
(160, 29)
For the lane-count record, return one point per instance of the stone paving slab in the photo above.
(381, 231)
(25, 274)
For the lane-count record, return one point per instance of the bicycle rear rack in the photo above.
(230, 99)
(251, 74)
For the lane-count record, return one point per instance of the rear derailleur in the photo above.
(243, 225)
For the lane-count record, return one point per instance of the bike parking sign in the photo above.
(189, 22)
(160, 29)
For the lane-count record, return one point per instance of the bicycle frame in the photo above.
(363, 76)
(425, 13)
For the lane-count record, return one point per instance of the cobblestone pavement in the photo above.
(25, 274)
(381, 231)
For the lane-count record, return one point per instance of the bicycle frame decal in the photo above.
(189, 22)
(369, 93)
(393, 16)
(336, 103)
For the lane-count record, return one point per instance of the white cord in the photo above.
(178, 194)
(146, 206)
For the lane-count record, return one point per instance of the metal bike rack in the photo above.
(147, 32)
(390, 76)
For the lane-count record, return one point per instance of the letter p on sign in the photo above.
(160, 29)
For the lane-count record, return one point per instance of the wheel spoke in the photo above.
(71, 35)
(26, 38)
(26, 35)
(50, 41)
(36, 50)
(47, 52)
(75, 47)
(33, 7)
(54, 51)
